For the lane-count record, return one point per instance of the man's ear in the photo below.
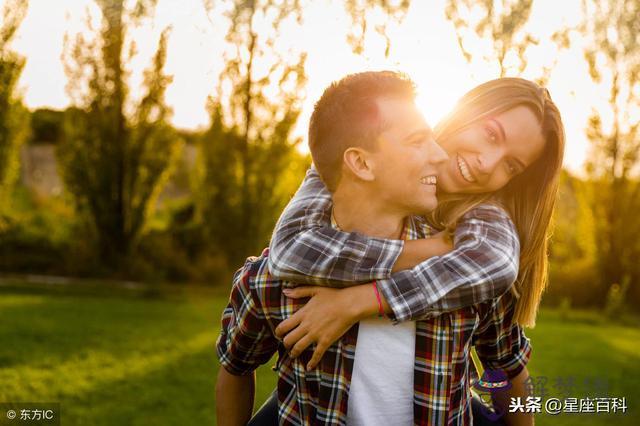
(359, 162)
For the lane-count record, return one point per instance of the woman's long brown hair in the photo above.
(529, 198)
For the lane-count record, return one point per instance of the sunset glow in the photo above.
(424, 46)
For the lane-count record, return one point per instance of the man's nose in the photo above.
(487, 161)
(436, 154)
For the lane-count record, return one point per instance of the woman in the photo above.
(505, 141)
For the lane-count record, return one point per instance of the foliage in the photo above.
(496, 30)
(501, 22)
(117, 153)
(47, 126)
(611, 29)
(573, 245)
(245, 154)
(37, 235)
(14, 119)
(362, 13)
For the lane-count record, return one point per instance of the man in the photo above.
(374, 151)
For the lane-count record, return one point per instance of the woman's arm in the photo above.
(305, 249)
(483, 266)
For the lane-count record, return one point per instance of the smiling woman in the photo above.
(488, 153)
(494, 131)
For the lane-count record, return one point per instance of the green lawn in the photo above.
(115, 356)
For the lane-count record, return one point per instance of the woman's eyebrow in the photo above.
(500, 128)
(521, 163)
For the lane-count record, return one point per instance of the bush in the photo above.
(575, 281)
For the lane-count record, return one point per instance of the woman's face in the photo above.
(486, 155)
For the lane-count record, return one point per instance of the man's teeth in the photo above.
(464, 170)
(429, 180)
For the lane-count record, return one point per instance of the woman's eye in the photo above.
(491, 135)
(512, 168)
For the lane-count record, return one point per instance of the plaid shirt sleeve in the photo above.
(306, 249)
(499, 341)
(483, 265)
(246, 341)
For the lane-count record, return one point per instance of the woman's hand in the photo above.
(327, 315)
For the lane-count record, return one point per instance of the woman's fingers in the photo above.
(301, 345)
(321, 348)
(299, 292)
(293, 337)
(289, 324)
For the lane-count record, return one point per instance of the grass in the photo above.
(137, 356)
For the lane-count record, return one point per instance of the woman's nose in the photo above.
(487, 161)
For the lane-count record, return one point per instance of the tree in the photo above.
(248, 149)
(117, 152)
(501, 22)
(248, 164)
(612, 30)
(46, 126)
(502, 25)
(361, 11)
(14, 119)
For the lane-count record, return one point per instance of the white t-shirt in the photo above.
(381, 390)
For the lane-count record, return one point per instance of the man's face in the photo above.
(407, 159)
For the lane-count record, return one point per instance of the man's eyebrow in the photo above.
(500, 128)
(420, 132)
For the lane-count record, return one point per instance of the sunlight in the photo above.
(424, 46)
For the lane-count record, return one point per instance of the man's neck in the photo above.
(355, 209)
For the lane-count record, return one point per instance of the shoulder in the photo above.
(488, 212)
(254, 272)
(498, 310)
(419, 227)
(491, 221)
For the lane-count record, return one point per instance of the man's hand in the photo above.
(327, 315)
(234, 398)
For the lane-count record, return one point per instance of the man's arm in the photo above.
(501, 345)
(518, 389)
(246, 341)
(234, 398)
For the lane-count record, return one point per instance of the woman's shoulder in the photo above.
(488, 211)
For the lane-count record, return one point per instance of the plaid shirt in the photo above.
(483, 265)
(442, 371)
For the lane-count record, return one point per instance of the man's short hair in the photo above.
(347, 115)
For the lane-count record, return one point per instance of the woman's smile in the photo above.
(463, 167)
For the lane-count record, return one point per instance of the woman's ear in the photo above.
(359, 162)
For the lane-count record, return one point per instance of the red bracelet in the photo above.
(380, 308)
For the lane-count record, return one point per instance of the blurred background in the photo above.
(148, 146)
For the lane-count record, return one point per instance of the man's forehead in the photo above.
(398, 110)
